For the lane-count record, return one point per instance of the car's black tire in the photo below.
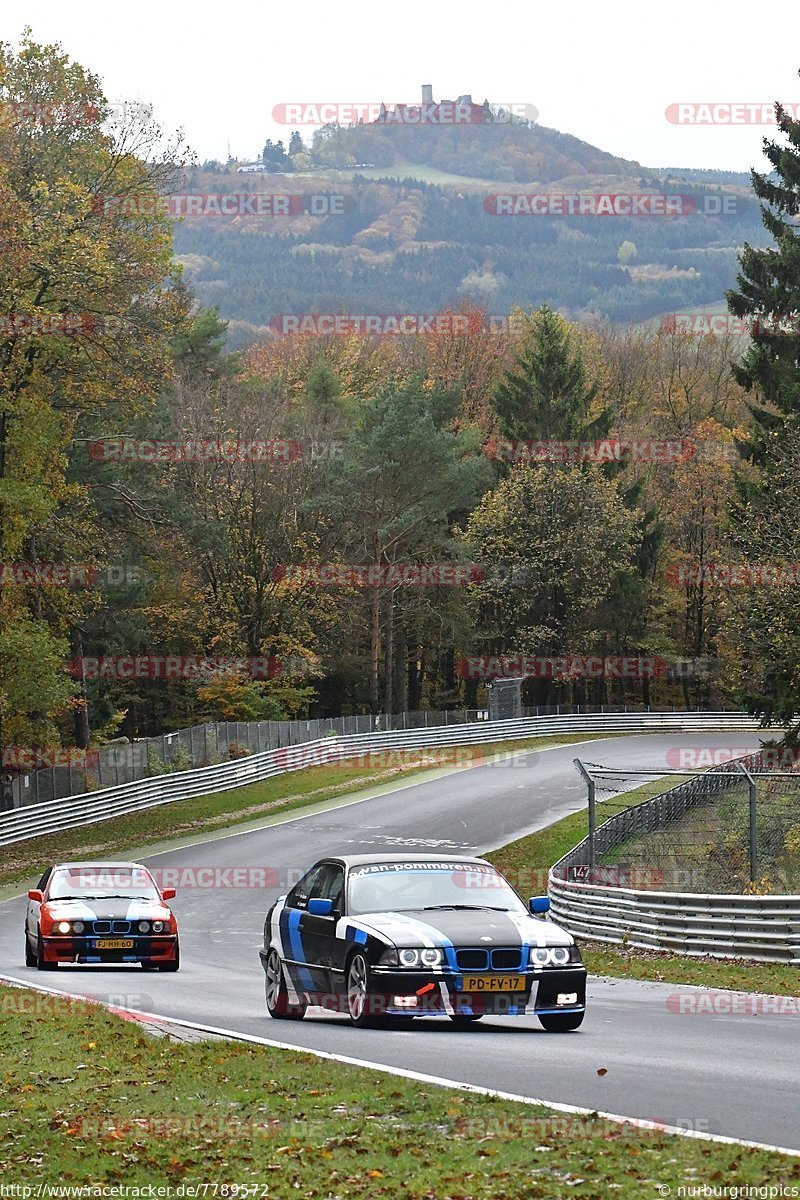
(561, 1022)
(175, 964)
(41, 965)
(30, 957)
(464, 1020)
(357, 990)
(279, 1007)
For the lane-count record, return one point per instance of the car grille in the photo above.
(500, 959)
(507, 960)
(108, 927)
(472, 960)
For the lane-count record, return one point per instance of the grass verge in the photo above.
(88, 1099)
(282, 794)
(533, 855)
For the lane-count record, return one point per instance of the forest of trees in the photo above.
(415, 247)
(393, 463)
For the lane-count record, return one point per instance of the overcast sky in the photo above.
(603, 72)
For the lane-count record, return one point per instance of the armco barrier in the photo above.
(760, 927)
(766, 928)
(74, 811)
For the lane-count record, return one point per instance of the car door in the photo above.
(319, 933)
(294, 951)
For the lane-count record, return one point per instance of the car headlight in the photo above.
(431, 957)
(144, 927)
(158, 926)
(63, 927)
(550, 956)
(409, 958)
(77, 926)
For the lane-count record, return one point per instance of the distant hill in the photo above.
(515, 151)
(419, 234)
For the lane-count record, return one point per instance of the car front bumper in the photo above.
(423, 993)
(155, 948)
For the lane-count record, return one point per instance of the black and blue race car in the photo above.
(384, 936)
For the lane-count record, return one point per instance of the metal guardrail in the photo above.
(214, 742)
(765, 928)
(55, 815)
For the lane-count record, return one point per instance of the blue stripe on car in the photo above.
(290, 928)
(358, 936)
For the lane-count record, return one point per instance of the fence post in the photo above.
(752, 789)
(576, 762)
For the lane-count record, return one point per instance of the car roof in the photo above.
(358, 860)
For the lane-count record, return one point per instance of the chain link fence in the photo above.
(733, 829)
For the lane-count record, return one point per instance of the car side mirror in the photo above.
(168, 894)
(539, 904)
(36, 895)
(320, 907)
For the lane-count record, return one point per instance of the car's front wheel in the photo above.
(30, 957)
(561, 1022)
(276, 994)
(41, 965)
(358, 991)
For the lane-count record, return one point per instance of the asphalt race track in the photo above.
(722, 1074)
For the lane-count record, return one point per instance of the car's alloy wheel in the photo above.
(561, 1022)
(276, 994)
(30, 957)
(358, 990)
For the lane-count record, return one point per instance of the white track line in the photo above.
(419, 1076)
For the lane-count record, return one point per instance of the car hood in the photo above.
(464, 928)
(114, 909)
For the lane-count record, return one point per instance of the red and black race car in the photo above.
(100, 913)
(385, 936)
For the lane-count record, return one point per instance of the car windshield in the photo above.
(397, 886)
(92, 883)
